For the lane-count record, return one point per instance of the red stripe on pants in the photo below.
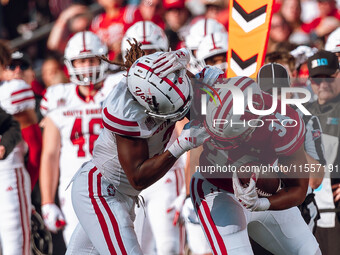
(111, 216)
(100, 214)
(206, 230)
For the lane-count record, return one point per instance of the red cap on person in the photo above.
(176, 4)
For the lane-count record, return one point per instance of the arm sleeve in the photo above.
(10, 132)
(119, 125)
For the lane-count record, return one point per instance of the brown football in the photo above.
(268, 182)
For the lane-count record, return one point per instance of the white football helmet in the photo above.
(333, 41)
(211, 45)
(167, 98)
(148, 34)
(229, 130)
(197, 32)
(85, 45)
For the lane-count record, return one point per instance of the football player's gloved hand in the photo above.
(209, 75)
(302, 53)
(177, 206)
(169, 62)
(248, 196)
(192, 136)
(188, 212)
(53, 217)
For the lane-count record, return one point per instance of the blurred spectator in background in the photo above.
(309, 10)
(213, 8)
(74, 19)
(111, 25)
(283, 58)
(333, 43)
(291, 11)
(327, 21)
(21, 17)
(20, 68)
(52, 72)
(177, 19)
(301, 54)
(150, 10)
(223, 16)
(14, 13)
(279, 31)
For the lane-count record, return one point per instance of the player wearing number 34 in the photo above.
(71, 126)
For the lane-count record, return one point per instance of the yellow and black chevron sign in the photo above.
(249, 23)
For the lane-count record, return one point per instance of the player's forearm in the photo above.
(48, 178)
(289, 196)
(151, 170)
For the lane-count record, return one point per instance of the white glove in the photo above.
(209, 75)
(248, 196)
(302, 53)
(192, 136)
(169, 62)
(188, 212)
(177, 205)
(53, 217)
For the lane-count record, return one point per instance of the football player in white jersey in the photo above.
(156, 230)
(15, 98)
(71, 126)
(138, 116)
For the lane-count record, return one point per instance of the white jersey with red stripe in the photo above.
(15, 186)
(16, 96)
(280, 135)
(123, 115)
(79, 124)
(67, 94)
